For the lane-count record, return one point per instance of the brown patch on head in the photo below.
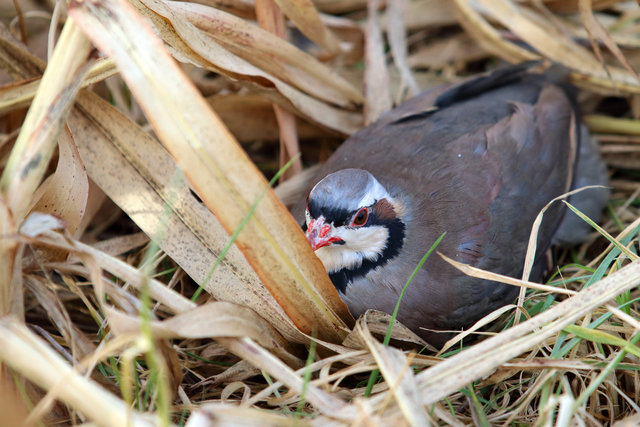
(383, 209)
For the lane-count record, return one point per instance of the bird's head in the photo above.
(352, 223)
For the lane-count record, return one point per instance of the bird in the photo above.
(477, 161)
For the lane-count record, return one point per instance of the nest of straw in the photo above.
(149, 275)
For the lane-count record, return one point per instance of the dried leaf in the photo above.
(264, 50)
(212, 320)
(596, 30)
(249, 350)
(203, 50)
(396, 34)
(569, 6)
(339, 6)
(26, 354)
(271, 19)
(32, 151)
(304, 14)
(238, 372)
(217, 167)
(453, 50)
(209, 414)
(494, 315)
(20, 94)
(487, 36)
(157, 290)
(487, 275)
(251, 118)
(543, 36)
(188, 232)
(10, 265)
(396, 370)
(16, 59)
(376, 77)
(64, 194)
(377, 322)
(480, 360)
(122, 244)
(79, 344)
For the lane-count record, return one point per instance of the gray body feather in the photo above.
(479, 169)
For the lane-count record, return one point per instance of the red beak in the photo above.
(318, 234)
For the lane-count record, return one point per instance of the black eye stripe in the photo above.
(343, 217)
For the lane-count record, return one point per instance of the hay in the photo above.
(121, 186)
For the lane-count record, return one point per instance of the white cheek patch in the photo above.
(364, 243)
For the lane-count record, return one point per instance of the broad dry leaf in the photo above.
(541, 35)
(621, 36)
(188, 43)
(65, 193)
(34, 147)
(32, 151)
(263, 49)
(146, 187)
(487, 36)
(211, 320)
(217, 167)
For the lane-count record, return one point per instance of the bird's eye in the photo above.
(360, 218)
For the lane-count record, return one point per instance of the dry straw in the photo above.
(124, 179)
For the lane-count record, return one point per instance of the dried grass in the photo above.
(121, 186)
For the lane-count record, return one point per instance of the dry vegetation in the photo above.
(107, 139)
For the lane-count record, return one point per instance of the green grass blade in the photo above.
(602, 231)
(306, 378)
(374, 374)
(244, 222)
(601, 337)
